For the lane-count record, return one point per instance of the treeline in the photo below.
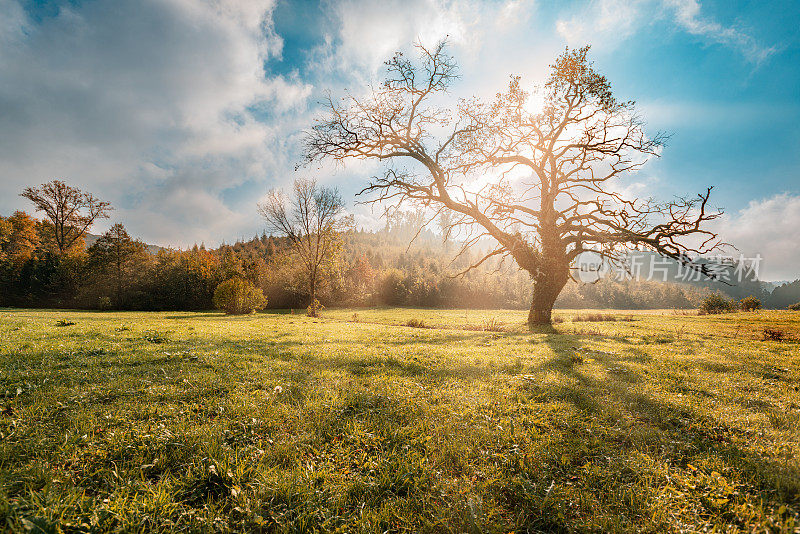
(373, 268)
(115, 272)
(118, 272)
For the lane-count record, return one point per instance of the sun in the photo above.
(534, 104)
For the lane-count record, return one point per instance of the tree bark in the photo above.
(313, 307)
(547, 285)
(550, 274)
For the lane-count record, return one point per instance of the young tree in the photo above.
(312, 219)
(543, 184)
(117, 251)
(71, 211)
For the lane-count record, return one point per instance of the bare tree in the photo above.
(313, 220)
(543, 184)
(71, 211)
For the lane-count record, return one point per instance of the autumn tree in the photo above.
(543, 184)
(71, 211)
(18, 237)
(312, 219)
(19, 242)
(5, 237)
(231, 265)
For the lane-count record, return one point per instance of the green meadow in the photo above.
(357, 422)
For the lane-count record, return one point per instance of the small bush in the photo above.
(154, 336)
(238, 296)
(103, 303)
(772, 334)
(795, 307)
(749, 304)
(415, 323)
(593, 318)
(492, 325)
(314, 308)
(487, 325)
(716, 303)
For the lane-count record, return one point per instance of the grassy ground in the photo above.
(355, 423)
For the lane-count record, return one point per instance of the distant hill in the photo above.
(771, 285)
(734, 280)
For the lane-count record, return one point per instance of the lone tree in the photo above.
(71, 211)
(312, 219)
(542, 183)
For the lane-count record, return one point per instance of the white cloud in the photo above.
(187, 215)
(370, 32)
(143, 102)
(687, 15)
(605, 24)
(164, 107)
(770, 228)
(13, 22)
(495, 35)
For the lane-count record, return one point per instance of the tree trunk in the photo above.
(119, 284)
(547, 285)
(549, 268)
(545, 292)
(312, 310)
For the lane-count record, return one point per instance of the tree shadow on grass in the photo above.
(163, 363)
(201, 315)
(677, 434)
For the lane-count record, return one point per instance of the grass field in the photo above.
(357, 423)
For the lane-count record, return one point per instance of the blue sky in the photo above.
(184, 112)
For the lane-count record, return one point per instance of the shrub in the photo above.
(594, 318)
(415, 323)
(772, 334)
(154, 336)
(749, 303)
(314, 308)
(487, 325)
(103, 303)
(795, 307)
(238, 296)
(492, 325)
(716, 303)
